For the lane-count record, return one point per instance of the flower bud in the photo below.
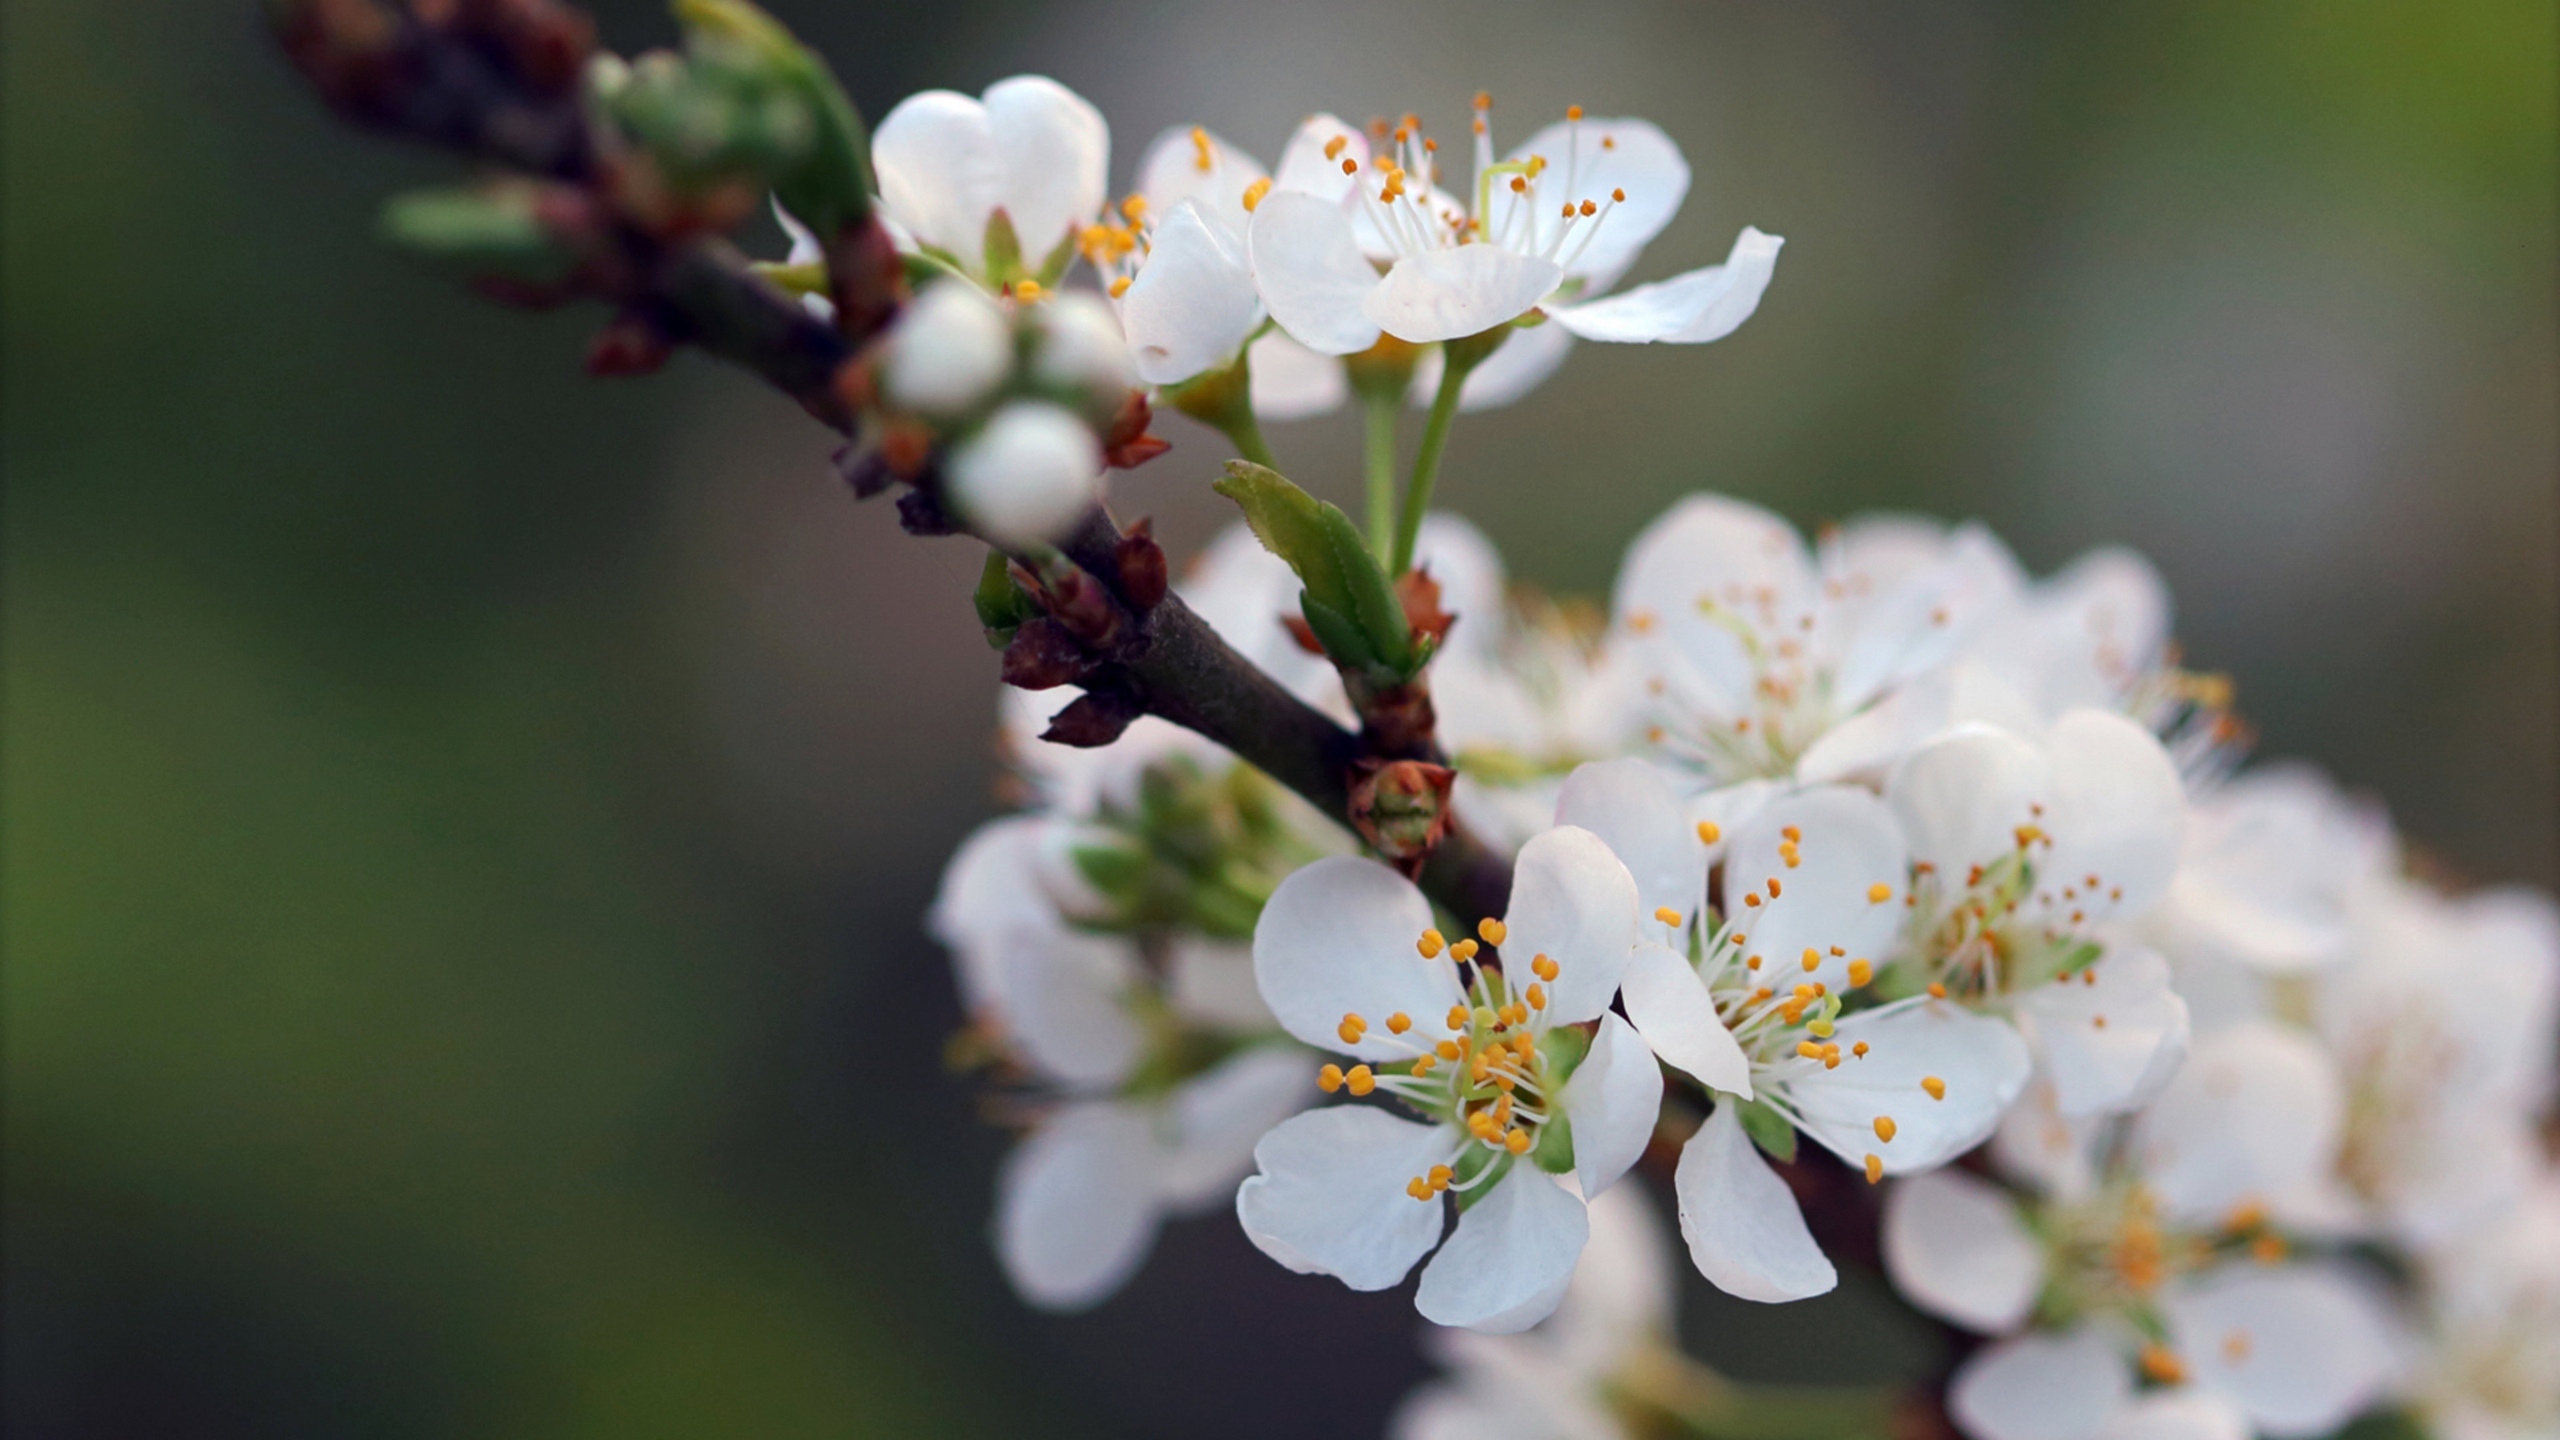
(1027, 474)
(950, 351)
(1081, 349)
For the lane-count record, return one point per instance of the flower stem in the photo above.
(1461, 356)
(1380, 413)
(1223, 400)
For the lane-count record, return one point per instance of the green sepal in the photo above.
(1561, 1051)
(1002, 605)
(1771, 1131)
(1110, 869)
(828, 184)
(1362, 624)
(1472, 1161)
(1054, 269)
(477, 231)
(1554, 1152)
(1002, 251)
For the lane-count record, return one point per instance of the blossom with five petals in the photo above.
(1523, 1117)
(999, 186)
(1545, 229)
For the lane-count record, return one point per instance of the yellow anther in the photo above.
(1937, 991)
(1859, 1049)
(1860, 972)
(1457, 1020)
(1752, 964)
(1709, 832)
(1431, 944)
(1493, 931)
(1360, 1080)
(1878, 893)
(1202, 154)
(1537, 165)
(1808, 1049)
(1545, 968)
(1573, 112)
(1134, 207)
(1619, 195)
(1517, 1142)
(1398, 1023)
(1333, 147)
(1418, 1188)
(1791, 1012)
(1440, 1176)
(1787, 853)
(1519, 185)
(1351, 1029)
(1119, 287)
(1807, 993)
(2028, 835)
(1350, 166)
(2162, 1366)
(2267, 1249)
(1254, 192)
(1568, 210)
(1537, 997)
(1875, 1169)
(1830, 1057)
(1502, 1109)
(1812, 959)
(1329, 1079)
(1936, 1087)
(1752, 900)
(1447, 1050)
(1525, 1046)
(1463, 951)
(1667, 915)
(1423, 1065)
(1773, 887)
(2235, 1346)
(1792, 834)
(1484, 100)
(1884, 1128)
(1026, 292)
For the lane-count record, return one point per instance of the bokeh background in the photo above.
(466, 825)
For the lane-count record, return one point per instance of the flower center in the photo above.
(1524, 206)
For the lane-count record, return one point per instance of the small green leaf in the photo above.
(1768, 1129)
(477, 231)
(1348, 601)
(828, 184)
(1002, 605)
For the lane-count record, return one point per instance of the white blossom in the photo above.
(1029, 149)
(1027, 475)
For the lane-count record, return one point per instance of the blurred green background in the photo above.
(466, 825)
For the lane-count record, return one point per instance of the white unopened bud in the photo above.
(1081, 348)
(1027, 474)
(951, 349)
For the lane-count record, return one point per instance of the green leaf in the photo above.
(1002, 605)
(1348, 601)
(828, 185)
(1771, 1131)
(477, 231)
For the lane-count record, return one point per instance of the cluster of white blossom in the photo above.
(2183, 1090)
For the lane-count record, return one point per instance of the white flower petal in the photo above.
(1338, 938)
(2301, 1348)
(1076, 1207)
(1589, 158)
(1171, 173)
(2038, 1147)
(805, 249)
(1329, 1198)
(1641, 812)
(2253, 1115)
(2086, 636)
(1828, 899)
(1613, 1099)
(2040, 1387)
(2117, 812)
(1956, 1248)
(1027, 474)
(1962, 797)
(1056, 152)
(1623, 1288)
(1692, 309)
(2186, 1413)
(1062, 997)
(2273, 859)
(1292, 382)
(2110, 1036)
(1744, 1229)
(1306, 169)
(935, 157)
(1573, 902)
(1313, 278)
(1511, 1258)
(1707, 548)
(1865, 747)
(1220, 1114)
(1210, 982)
(1677, 1018)
(1922, 615)
(1193, 302)
(1448, 294)
(1521, 364)
(988, 890)
(1981, 1062)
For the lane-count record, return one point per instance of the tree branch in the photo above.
(497, 80)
